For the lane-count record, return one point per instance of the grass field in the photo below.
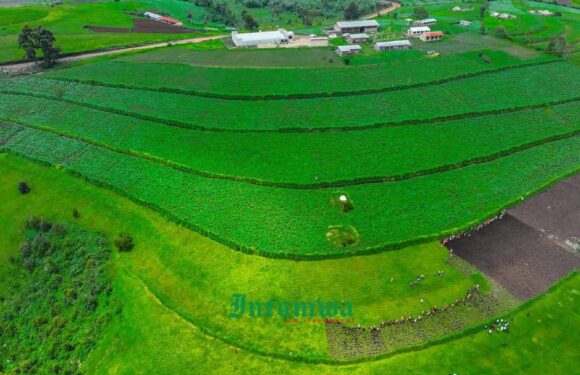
(149, 335)
(283, 175)
(67, 24)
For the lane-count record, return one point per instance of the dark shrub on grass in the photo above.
(76, 214)
(124, 242)
(23, 188)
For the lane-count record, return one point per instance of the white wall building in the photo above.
(416, 32)
(153, 16)
(393, 45)
(348, 50)
(280, 36)
(357, 38)
(365, 26)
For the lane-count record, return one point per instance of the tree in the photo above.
(557, 45)
(23, 188)
(249, 21)
(189, 15)
(420, 13)
(31, 40)
(351, 12)
(124, 242)
(501, 32)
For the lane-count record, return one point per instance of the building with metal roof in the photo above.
(416, 32)
(348, 50)
(393, 45)
(364, 26)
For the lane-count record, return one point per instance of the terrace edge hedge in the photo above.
(185, 125)
(315, 95)
(310, 257)
(304, 186)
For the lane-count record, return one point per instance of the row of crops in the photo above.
(252, 82)
(497, 92)
(305, 160)
(385, 215)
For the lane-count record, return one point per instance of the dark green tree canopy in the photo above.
(41, 39)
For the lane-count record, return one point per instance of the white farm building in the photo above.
(393, 45)
(365, 26)
(277, 37)
(348, 50)
(416, 32)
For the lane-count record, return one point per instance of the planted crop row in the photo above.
(248, 83)
(386, 215)
(514, 88)
(305, 160)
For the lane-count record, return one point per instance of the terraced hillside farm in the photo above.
(202, 209)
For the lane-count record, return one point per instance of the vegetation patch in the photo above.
(342, 235)
(59, 304)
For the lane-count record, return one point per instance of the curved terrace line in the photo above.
(336, 363)
(296, 96)
(185, 125)
(292, 256)
(307, 186)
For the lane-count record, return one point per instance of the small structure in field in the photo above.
(168, 20)
(280, 36)
(393, 45)
(503, 16)
(541, 12)
(318, 41)
(365, 26)
(465, 23)
(357, 38)
(431, 36)
(426, 22)
(416, 32)
(348, 50)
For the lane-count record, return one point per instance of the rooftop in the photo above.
(420, 28)
(358, 36)
(251, 37)
(393, 43)
(349, 48)
(434, 33)
(365, 23)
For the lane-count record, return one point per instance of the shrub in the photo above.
(23, 188)
(342, 235)
(76, 214)
(124, 242)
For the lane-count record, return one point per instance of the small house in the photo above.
(348, 50)
(431, 36)
(357, 38)
(465, 23)
(393, 45)
(416, 32)
(365, 26)
(426, 22)
(153, 16)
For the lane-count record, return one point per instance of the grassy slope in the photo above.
(67, 22)
(258, 82)
(151, 338)
(385, 214)
(340, 158)
(196, 276)
(506, 89)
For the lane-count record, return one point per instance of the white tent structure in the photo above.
(277, 37)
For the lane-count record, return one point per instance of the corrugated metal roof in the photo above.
(420, 28)
(365, 23)
(359, 36)
(348, 48)
(264, 35)
(393, 43)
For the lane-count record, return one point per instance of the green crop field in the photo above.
(148, 196)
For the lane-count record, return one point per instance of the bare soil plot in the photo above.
(531, 247)
(143, 26)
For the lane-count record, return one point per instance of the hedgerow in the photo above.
(387, 215)
(342, 159)
(499, 91)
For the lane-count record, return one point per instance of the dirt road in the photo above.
(27, 67)
(382, 11)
